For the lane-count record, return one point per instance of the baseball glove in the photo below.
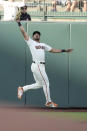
(18, 16)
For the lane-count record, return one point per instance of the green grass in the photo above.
(81, 116)
(74, 115)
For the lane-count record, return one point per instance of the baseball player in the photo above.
(38, 65)
(11, 9)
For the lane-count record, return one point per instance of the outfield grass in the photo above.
(81, 116)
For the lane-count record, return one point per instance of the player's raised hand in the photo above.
(69, 50)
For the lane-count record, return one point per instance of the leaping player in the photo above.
(38, 65)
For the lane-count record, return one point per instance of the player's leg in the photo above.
(43, 79)
(45, 82)
(32, 86)
(23, 89)
(36, 85)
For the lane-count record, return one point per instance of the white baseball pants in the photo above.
(41, 79)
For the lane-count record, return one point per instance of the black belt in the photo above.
(39, 62)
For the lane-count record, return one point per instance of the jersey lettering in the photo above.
(39, 47)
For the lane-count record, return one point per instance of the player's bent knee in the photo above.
(46, 84)
(39, 84)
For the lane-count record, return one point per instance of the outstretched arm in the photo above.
(26, 37)
(60, 51)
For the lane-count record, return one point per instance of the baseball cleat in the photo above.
(51, 104)
(20, 92)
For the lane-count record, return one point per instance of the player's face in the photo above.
(36, 37)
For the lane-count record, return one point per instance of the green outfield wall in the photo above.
(67, 72)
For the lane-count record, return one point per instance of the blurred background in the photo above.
(53, 10)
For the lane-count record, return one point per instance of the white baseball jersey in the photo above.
(38, 54)
(10, 9)
(38, 50)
